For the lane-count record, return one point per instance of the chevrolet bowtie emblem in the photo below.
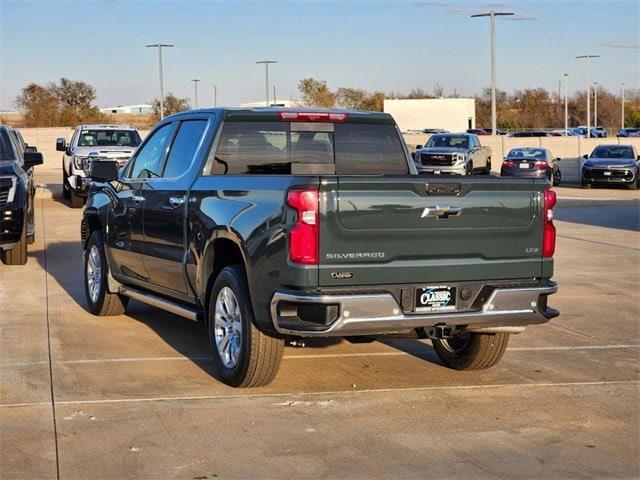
(441, 212)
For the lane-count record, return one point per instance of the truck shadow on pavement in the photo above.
(63, 261)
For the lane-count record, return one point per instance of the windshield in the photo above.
(613, 151)
(459, 141)
(108, 138)
(533, 153)
(268, 148)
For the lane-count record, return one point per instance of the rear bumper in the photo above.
(371, 314)
(525, 173)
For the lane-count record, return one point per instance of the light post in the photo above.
(266, 72)
(159, 46)
(195, 86)
(566, 105)
(492, 15)
(215, 95)
(588, 58)
(622, 119)
(595, 104)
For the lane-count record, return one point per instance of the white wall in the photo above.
(451, 114)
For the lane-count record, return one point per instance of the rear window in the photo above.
(536, 153)
(282, 148)
(613, 152)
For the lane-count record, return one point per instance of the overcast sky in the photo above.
(377, 45)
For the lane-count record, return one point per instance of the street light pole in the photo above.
(195, 86)
(588, 58)
(266, 72)
(595, 104)
(622, 119)
(159, 46)
(566, 105)
(492, 15)
(215, 95)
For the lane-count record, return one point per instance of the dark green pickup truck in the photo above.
(275, 224)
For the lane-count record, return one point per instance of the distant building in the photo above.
(277, 103)
(452, 114)
(144, 108)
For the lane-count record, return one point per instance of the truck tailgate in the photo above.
(412, 229)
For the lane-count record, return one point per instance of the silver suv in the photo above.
(90, 143)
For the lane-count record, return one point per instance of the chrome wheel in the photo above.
(228, 327)
(94, 273)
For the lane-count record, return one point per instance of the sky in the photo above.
(382, 45)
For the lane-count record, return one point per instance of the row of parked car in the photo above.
(462, 154)
(580, 131)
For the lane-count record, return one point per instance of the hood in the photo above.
(609, 162)
(442, 150)
(104, 151)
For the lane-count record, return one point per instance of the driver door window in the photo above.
(148, 161)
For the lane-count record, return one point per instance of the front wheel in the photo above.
(635, 185)
(66, 191)
(556, 178)
(96, 273)
(471, 351)
(75, 201)
(487, 168)
(243, 355)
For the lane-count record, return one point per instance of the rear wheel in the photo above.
(96, 273)
(487, 169)
(471, 351)
(556, 178)
(243, 355)
(18, 254)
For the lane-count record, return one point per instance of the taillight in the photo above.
(507, 163)
(549, 237)
(303, 238)
(541, 164)
(313, 116)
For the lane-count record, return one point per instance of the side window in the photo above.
(148, 161)
(184, 147)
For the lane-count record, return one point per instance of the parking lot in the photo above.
(133, 396)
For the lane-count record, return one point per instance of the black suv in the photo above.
(17, 189)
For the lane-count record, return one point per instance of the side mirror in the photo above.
(31, 159)
(104, 170)
(558, 159)
(418, 147)
(61, 144)
(585, 156)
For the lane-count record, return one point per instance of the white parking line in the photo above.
(307, 356)
(331, 392)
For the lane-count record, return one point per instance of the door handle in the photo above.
(138, 198)
(176, 201)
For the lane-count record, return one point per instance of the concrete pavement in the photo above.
(133, 396)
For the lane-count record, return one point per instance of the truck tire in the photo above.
(65, 184)
(75, 201)
(18, 254)
(243, 355)
(473, 351)
(101, 302)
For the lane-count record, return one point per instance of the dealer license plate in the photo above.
(439, 298)
(524, 165)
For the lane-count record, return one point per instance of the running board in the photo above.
(158, 302)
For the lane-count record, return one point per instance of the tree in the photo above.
(315, 93)
(76, 102)
(41, 107)
(359, 99)
(172, 104)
